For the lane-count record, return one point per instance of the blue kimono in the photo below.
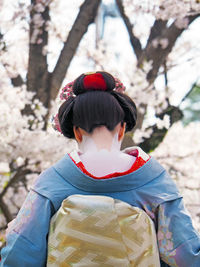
(149, 188)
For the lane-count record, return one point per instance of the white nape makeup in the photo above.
(100, 152)
(100, 139)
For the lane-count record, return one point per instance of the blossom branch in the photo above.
(158, 48)
(156, 30)
(20, 173)
(157, 136)
(17, 80)
(135, 42)
(87, 14)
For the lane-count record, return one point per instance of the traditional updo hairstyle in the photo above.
(96, 103)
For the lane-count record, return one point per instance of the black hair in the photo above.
(92, 108)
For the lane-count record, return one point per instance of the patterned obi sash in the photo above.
(99, 231)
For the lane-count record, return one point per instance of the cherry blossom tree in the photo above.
(44, 43)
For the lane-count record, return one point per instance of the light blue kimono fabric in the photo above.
(149, 188)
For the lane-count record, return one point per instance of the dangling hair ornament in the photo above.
(92, 81)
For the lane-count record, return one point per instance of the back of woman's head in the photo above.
(96, 102)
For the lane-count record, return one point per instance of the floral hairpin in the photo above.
(55, 123)
(67, 91)
(119, 87)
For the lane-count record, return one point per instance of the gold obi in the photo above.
(99, 231)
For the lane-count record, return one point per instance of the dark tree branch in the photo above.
(87, 14)
(158, 54)
(157, 136)
(19, 175)
(17, 81)
(158, 27)
(2, 43)
(2, 228)
(189, 92)
(135, 42)
(46, 85)
(37, 78)
(5, 211)
(165, 74)
(149, 144)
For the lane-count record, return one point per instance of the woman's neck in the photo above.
(101, 155)
(100, 139)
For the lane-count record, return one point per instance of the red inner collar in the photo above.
(139, 162)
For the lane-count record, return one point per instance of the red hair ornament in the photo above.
(92, 81)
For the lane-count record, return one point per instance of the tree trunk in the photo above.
(38, 76)
(46, 85)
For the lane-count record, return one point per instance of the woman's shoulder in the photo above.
(51, 184)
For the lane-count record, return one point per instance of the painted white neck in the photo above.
(101, 155)
(100, 139)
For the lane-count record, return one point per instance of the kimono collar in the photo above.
(73, 175)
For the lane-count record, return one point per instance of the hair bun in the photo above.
(91, 81)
